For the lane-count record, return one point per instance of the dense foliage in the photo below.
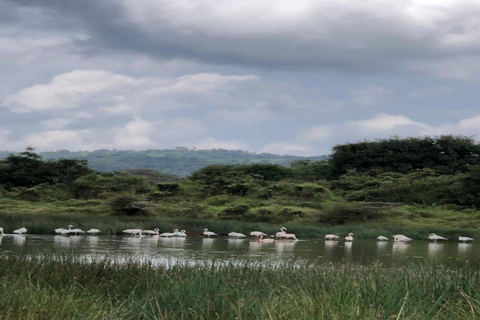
(444, 154)
(366, 181)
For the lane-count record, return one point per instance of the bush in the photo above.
(128, 205)
(341, 213)
(235, 212)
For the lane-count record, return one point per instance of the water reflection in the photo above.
(400, 248)
(382, 245)
(1, 237)
(93, 240)
(61, 241)
(282, 246)
(434, 248)
(235, 243)
(75, 240)
(207, 243)
(204, 249)
(463, 248)
(133, 242)
(19, 240)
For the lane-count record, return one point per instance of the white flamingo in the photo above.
(151, 232)
(401, 238)
(75, 231)
(331, 237)
(22, 230)
(133, 232)
(62, 231)
(434, 237)
(182, 233)
(349, 237)
(93, 231)
(1, 231)
(208, 233)
(464, 239)
(257, 233)
(236, 235)
(167, 234)
(382, 238)
(281, 233)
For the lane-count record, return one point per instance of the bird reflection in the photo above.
(19, 240)
(132, 241)
(93, 241)
(75, 239)
(400, 247)
(281, 246)
(463, 248)
(207, 243)
(180, 241)
(151, 241)
(382, 245)
(1, 237)
(61, 241)
(434, 248)
(235, 243)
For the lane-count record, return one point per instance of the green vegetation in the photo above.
(66, 287)
(437, 190)
(178, 162)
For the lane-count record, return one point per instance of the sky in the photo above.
(280, 76)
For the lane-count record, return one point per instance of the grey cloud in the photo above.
(350, 37)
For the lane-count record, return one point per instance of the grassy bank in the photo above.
(45, 288)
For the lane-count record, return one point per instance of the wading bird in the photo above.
(1, 231)
(133, 232)
(236, 235)
(331, 237)
(401, 238)
(434, 237)
(257, 233)
(208, 233)
(260, 239)
(464, 239)
(151, 232)
(22, 230)
(382, 238)
(349, 237)
(93, 231)
(281, 233)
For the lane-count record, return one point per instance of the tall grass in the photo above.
(64, 287)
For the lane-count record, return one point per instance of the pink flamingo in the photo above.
(260, 239)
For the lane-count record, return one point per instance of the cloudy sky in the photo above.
(280, 76)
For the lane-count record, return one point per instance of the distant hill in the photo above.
(179, 161)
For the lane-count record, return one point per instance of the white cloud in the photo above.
(55, 123)
(68, 90)
(321, 138)
(372, 95)
(424, 93)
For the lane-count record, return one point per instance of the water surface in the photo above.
(221, 249)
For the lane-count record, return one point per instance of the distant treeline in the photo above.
(179, 161)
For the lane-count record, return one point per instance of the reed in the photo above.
(53, 287)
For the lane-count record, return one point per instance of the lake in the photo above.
(222, 249)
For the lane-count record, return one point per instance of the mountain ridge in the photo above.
(178, 161)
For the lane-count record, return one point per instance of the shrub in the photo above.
(128, 205)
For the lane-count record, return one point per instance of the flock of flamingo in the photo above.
(259, 236)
